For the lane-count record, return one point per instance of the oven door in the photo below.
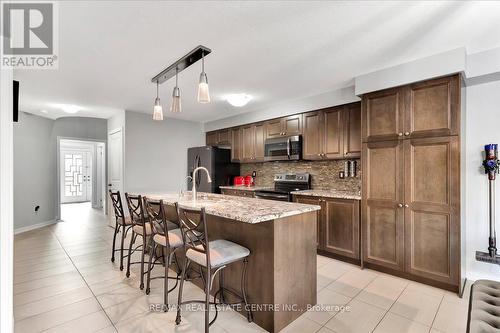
(268, 195)
(283, 149)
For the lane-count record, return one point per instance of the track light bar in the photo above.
(181, 64)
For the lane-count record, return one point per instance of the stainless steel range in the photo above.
(284, 185)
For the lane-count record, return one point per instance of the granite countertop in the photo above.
(330, 194)
(246, 188)
(248, 210)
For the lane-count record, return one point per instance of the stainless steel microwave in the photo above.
(283, 148)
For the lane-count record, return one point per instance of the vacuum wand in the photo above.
(491, 168)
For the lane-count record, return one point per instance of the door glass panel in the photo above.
(73, 175)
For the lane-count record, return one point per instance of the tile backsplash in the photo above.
(324, 174)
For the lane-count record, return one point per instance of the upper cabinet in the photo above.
(212, 138)
(236, 153)
(352, 130)
(382, 116)
(287, 126)
(252, 143)
(219, 138)
(423, 109)
(433, 108)
(333, 133)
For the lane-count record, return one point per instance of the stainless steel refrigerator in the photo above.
(218, 163)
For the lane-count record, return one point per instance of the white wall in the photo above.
(34, 182)
(156, 152)
(35, 163)
(483, 126)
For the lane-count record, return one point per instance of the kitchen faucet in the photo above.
(194, 180)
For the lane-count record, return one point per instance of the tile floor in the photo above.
(65, 282)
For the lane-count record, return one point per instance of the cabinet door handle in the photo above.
(407, 133)
(406, 206)
(400, 205)
(400, 134)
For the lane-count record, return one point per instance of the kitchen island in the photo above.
(281, 237)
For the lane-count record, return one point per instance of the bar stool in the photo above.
(167, 235)
(140, 227)
(121, 222)
(212, 256)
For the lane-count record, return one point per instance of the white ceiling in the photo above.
(273, 50)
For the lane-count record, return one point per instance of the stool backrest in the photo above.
(192, 222)
(116, 200)
(136, 210)
(155, 211)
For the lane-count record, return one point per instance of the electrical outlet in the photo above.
(37, 208)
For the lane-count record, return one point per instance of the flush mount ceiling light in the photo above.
(238, 100)
(173, 70)
(68, 108)
(157, 109)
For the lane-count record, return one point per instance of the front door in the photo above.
(77, 185)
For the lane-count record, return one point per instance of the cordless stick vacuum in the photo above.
(491, 168)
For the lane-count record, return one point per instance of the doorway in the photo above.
(81, 174)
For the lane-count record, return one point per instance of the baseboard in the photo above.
(33, 227)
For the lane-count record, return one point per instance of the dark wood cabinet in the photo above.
(248, 143)
(432, 211)
(236, 149)
(219, 138)
(341, 227)
(424, 109)
(310, 200)
(238, 193)
(382, 204)
(253, 138)
(410, 209)
(433, 107)
(224, 137)
(211, 138)
(382, 115)
(333, 133)
(259, 142)
(338, 225)
(352, 130)
(312, 139)
(291, 125)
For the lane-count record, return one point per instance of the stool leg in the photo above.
(122, 245)
(142, 261)
(117, 228)
(244, 291)
(148, 279)
(221, 287)
(132, 241)
(166, 259)
(181, 287)
(207, 300)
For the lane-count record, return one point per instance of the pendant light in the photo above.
(157, 109)
(203, 94)
(176, 95)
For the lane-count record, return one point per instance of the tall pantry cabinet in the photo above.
(411, 181)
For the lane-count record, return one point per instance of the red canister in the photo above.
(239, 181)
(249, 181)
